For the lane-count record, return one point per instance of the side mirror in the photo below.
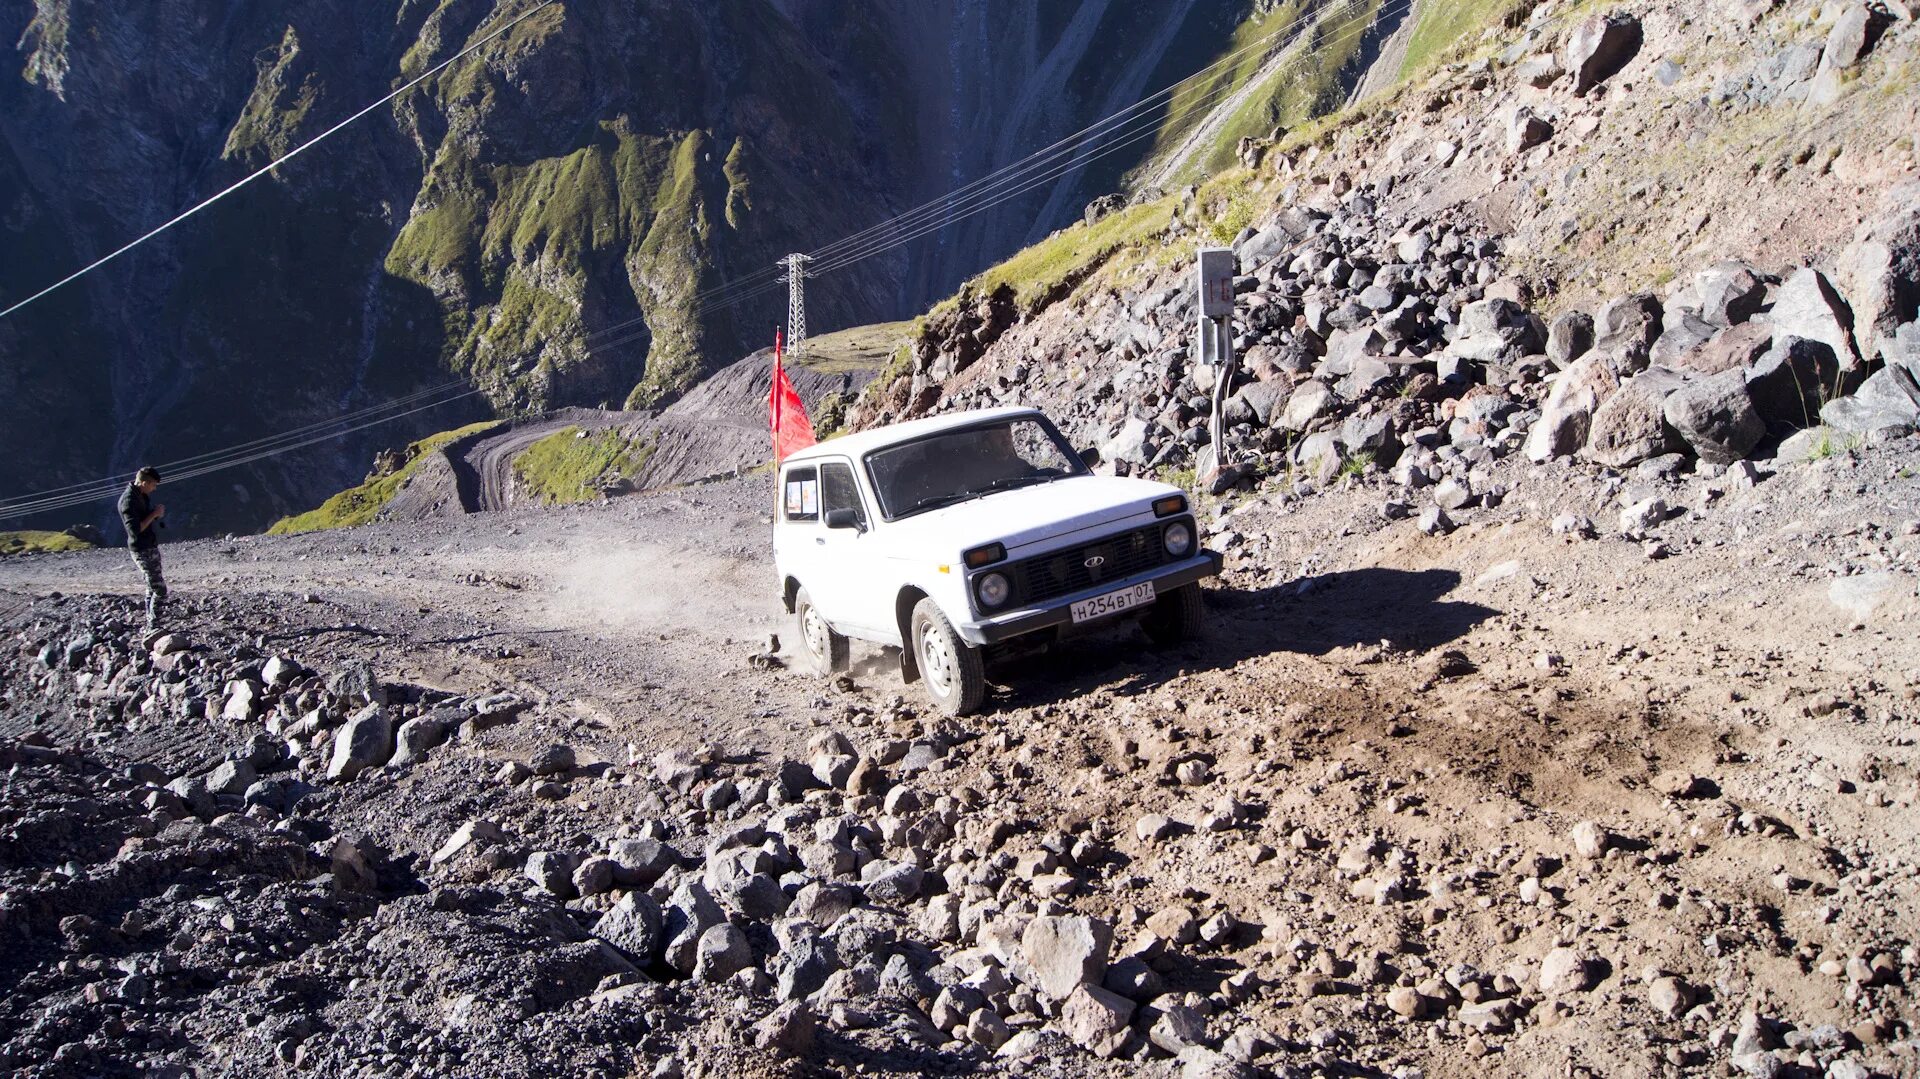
(1090, 457)
(844, 517)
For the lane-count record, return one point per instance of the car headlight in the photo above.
(1179, 539)
(993, 590)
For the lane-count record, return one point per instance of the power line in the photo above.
(1110, 135)
(759, 282)
(987, 198)
(234, 457)
(288, 156)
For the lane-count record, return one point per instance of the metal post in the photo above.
(796, 265)
(1215, 311)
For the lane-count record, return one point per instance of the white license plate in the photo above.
(1112, 602)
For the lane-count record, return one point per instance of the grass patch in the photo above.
(1443, 30)
(569, 465)
(1070, 254)
(360, 505)
(34, 542)
(856, 350)
(1355, 465)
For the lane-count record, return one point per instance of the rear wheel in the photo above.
(953, 670)
(826, 651)
(1176, 616)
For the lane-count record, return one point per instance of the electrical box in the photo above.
(1217, 266)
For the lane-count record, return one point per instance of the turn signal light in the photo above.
(1170, 505)
(986, 556)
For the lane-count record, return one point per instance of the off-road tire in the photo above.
(954, 671)
(1176, 616)
(821, 649)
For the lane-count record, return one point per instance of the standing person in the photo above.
(140, 516)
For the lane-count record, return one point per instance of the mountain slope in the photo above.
(546, 220)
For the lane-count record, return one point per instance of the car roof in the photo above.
(856, 444)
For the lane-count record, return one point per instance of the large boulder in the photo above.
(1880, 272)
(1264, 400)
(1888, 403)
(1569, 338)
(1631, 426)
(1626, 329)
(1729, 350)
(416, 737)
(1681, 331)
(1496, 331)
(365, 741)
(1568, 415)
(1130, 443)
(1808, 306)
(1095, 1018)
(689, 913)
(1729, 293)
(1600, 47)
(1309, 401)
(1790, 380)
(1716, 417)
(1065, 953)
(1853, 36)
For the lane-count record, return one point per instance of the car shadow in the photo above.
(1408, 610)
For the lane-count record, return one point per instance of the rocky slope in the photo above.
(1408, 313)
(542, 219)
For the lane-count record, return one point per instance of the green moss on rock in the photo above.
(572, 465)
(33, 542)
(360, 505)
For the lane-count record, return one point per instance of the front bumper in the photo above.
(1057, 612)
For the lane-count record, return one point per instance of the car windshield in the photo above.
(970, 462)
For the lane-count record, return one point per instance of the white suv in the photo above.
(947, 535)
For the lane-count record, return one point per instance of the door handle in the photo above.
(821, 540)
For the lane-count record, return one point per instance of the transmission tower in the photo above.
(796, 301)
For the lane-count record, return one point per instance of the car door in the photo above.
(844, 554)
(796, 539)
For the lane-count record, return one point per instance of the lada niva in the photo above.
(951, 535)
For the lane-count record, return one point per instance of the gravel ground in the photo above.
(1348, 832)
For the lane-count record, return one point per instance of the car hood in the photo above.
(1028, 514)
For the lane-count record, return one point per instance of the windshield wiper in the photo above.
(938, 501)
(1012, 482)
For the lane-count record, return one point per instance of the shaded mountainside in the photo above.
(540, 218)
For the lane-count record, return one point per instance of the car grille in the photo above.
(1057, 573)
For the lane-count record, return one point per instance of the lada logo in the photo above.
(1095, 562)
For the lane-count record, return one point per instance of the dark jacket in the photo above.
(134, 508)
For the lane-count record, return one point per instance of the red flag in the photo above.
(792, 431)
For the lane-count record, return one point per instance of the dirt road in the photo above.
(1374, 767)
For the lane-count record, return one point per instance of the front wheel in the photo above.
(826, 651)
(1176, 616)
(953, 670)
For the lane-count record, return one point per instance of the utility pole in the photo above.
(1215, 310)
(796, 265)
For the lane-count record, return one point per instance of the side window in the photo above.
(839, 491)
(800, 494)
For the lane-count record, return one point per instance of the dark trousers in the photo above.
(148, 559)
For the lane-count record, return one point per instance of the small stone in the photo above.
(723, 951)
(1092, 1016)
(1065, 952)
(1670, 997)
(1590, 840)
(1405, 1002)
(552, 761)
(1152, 828)
(1566, 971)
(788, 1031)
(553, 871)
